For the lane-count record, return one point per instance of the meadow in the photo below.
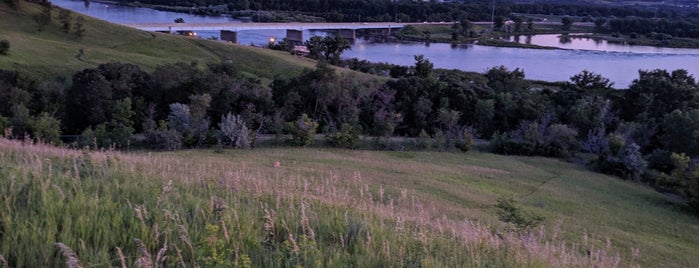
(283, 207)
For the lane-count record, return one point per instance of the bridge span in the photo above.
(244, 26)
(294, 30)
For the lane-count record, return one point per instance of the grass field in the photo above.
(326, 208)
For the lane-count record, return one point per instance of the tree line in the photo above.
(404, 10)
(647, 133)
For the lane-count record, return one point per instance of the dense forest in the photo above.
(386, 10)
(647, 133)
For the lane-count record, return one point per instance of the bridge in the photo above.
(294, 30)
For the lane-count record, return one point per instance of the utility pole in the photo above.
(492, 19)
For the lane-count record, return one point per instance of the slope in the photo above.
(282, 207)
(53, 52)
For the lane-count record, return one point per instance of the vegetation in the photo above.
(4, 47)
(321, 207)
(112, 43)
(415, 209)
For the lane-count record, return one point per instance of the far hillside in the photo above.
(51, 50)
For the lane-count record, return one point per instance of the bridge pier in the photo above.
(348, 34)
(294, 36)
(229, 36)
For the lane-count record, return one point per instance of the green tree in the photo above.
(680, 132)
(566, 22)
(79, 27)
(302, 130)
(46, 128)
(518, 24)
(64, 17)
(587, 80)
(327, 48)
(498, 23)
(423, 66)
(20, 120)
(4, 47)
(656, 93)
(44, 17)
(121, 126)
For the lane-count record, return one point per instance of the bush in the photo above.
(347, 138)
(163, 138)
(302, 131)
(465, 141)
(510, 212)
(46, 128)
(4, 47)
(423, 141)
(628, 162)
(537, 138)
(234, 131)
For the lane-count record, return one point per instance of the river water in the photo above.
(620, 63)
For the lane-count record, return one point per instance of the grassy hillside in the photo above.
(52, 52)
(326, 208)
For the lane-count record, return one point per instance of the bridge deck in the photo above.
(243, 26)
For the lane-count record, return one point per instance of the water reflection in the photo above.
(585, 43)
(565, 39)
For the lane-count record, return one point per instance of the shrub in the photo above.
(347, 137)
(164, 138)
(4, 47)
(537, 138)
(4, 124)
(302, 131)
(510, 212)
(423, 141)
(234, 131)
(628, 162)
(465, 141)
(46, 128)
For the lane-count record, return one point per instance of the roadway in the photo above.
(243, 26)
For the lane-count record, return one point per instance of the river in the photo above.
(619, 63)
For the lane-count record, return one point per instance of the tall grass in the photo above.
(102, 208)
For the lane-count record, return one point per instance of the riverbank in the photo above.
(638, 40)
(481, 33)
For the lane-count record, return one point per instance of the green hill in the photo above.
(52, 52)
(327, 208)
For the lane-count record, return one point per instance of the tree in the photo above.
(302, 131)
(79, 27)
(587, 80)
(4, 47)
(599, 24)
(327, 48)
(20, 120)
(423, 66)
(64, 17)
(121, 126)
(518, 24)
(656, 93)
(46, 128)
(199, 105)
(234, 131)
(44, 17)
(498, 23)
(566, 22)
(680, 132)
